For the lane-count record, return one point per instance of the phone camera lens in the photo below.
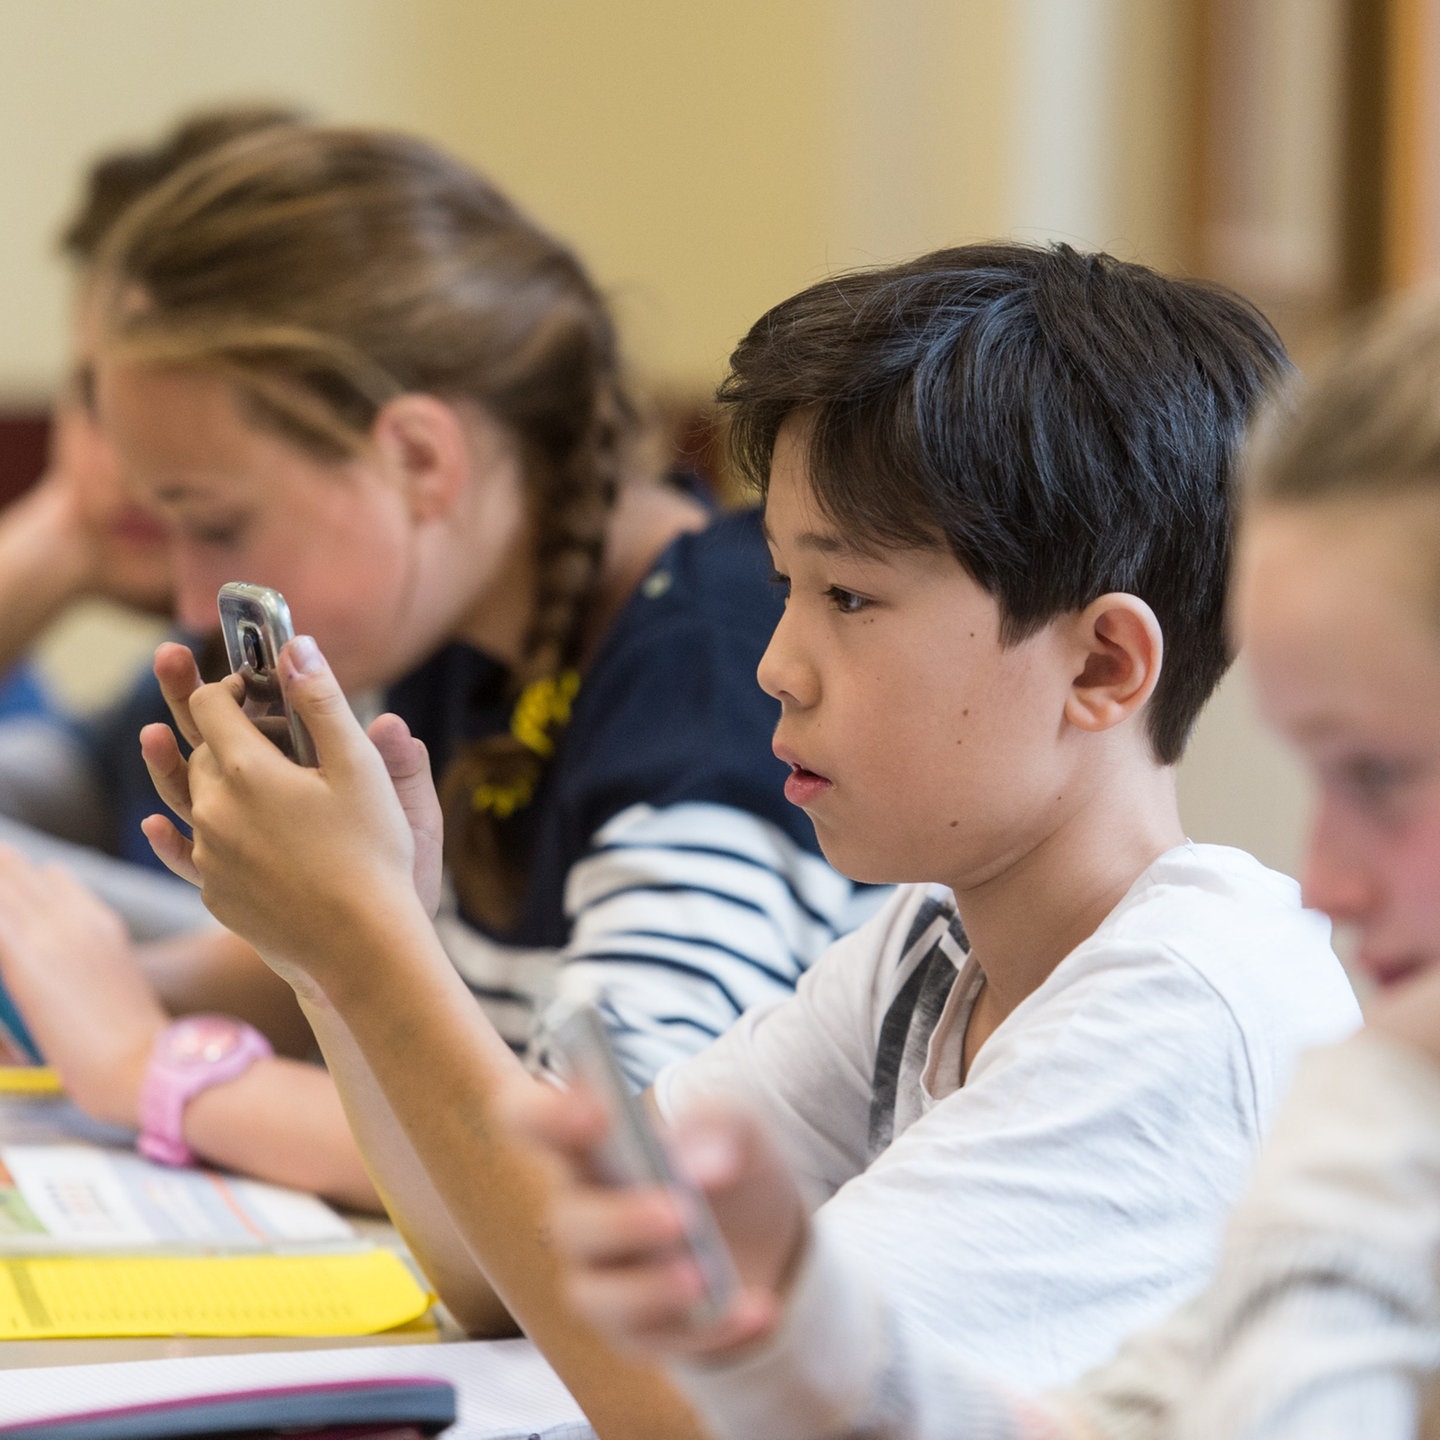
(254, 655)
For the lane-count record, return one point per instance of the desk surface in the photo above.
(27, 1354)
(30, 1121)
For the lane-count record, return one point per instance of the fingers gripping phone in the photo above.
(255, 621)
(633, 1153)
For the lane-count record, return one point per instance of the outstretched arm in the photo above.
(75, 977)
(334, 851)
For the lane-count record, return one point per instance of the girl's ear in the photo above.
(1121, 650)
(424, 445)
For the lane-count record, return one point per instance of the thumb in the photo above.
(407, 762)
(316, 697)
(406, 758)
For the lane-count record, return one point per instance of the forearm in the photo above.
(282, 1121)
(214, 970)
(398, 1023)
(404, 1186)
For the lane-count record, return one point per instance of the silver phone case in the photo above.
(633, 1153)
(255, 621)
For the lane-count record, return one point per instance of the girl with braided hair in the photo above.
(343, 364)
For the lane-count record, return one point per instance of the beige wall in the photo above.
(708, 159)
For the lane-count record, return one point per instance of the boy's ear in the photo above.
(1121, 650)
(423, 444)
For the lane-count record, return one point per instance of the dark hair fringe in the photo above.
(1067, 424)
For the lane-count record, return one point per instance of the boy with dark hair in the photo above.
(1320, 1320)
(1090, 410)
(997, 484)
(997, 491)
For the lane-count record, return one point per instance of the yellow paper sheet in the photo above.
(29, 1080)
(355, 1293)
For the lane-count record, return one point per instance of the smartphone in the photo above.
(633, 1153)
(255, 621)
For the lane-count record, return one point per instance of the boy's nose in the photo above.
(783, 674)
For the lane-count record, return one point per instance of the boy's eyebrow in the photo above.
(826, 542)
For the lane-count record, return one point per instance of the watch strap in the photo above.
(169, 1084)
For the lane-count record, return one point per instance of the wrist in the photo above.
(104, 1083)
(188, 1057)
(384, 941)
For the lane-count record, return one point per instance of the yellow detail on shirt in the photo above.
(543, 706)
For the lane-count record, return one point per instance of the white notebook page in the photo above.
(505, 1390)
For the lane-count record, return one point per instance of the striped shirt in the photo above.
(681, 919)
(662, 856)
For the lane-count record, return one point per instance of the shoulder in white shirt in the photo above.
(1072, 1190)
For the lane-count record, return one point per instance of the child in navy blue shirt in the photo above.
(359, 374)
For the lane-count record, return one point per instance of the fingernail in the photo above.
(305, 655)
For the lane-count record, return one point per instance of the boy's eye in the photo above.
(781, 583)
(847, 602)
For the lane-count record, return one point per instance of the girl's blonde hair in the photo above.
(1368, 424)
(325, 271)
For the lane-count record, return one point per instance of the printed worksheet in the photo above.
(72, 1198)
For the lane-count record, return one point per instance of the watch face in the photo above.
(201, 1040)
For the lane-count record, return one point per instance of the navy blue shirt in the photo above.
(669, 711)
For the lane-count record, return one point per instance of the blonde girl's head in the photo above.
(322, 273)
(1338, 604)
(1367, 426)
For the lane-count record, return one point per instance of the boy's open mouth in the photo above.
(804, 785)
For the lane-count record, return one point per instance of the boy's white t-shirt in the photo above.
(1073, 1189)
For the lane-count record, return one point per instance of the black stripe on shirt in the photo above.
(723, 854)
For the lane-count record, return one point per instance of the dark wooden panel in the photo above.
(24, 438)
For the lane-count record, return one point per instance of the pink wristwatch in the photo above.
(190, 1055)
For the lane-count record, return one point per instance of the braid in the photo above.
(489, 779)
(324, 271)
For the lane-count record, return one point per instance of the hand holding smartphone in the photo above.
(255, 621)
(633, 1153)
